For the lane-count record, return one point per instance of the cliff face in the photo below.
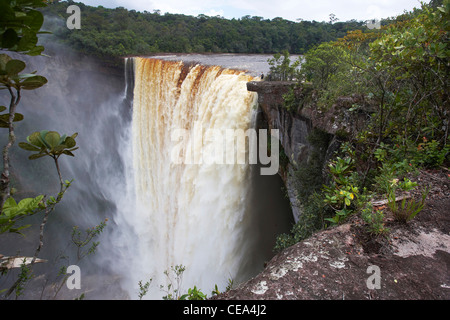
(293, 131)
(345, 262)
(296, 125)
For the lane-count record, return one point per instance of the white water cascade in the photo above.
(217, 220)
(195, 215)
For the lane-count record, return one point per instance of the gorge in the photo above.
(218, 221)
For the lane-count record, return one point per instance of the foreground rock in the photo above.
(413, 261)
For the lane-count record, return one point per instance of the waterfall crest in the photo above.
(195, 215)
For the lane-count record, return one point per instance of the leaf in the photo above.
(42, 138)
(9, 203)
(33, 82)
(36, 51)
(70, 142)
(34, 139)
(52, 138)
(4, 119)
(13, 67)
(67, 152)
(58, 149)
(28, 147)
(4, 58)
(63, 138)
(30, 204)
(36, 19)
(9, 38)
(37, 156)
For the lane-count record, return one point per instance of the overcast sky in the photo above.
(318, 10)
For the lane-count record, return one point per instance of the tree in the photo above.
(20, 24)
(281, 68)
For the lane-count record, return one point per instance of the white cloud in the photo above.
(214, 13)
(318, 10)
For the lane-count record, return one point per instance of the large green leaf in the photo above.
(13, 212)
(20, 23)
(13, 67)
(34, 139)
(33, 82)
(28, 147)
(52, 138)
(35, 19)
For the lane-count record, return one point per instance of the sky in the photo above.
(309, 10)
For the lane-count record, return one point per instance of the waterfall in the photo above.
(195, 215)
(217, 220)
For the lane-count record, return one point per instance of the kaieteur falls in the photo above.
(171, 199)
(195, 214)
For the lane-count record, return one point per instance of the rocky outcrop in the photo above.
(347, 116)
(293, 131)
(345, 263)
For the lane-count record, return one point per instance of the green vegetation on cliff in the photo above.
(400, 77)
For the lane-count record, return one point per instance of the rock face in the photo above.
(346, 117)
(293, 131)
(411, 262)
(345, 263)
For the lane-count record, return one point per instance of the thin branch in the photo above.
(5, 190)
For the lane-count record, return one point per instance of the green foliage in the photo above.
(10, 76)
(281, 68)
(4, 118)
(374, 220)
(25, 274)
(310, 220)
(143, 288)
(412, 57)
(343, 189)
(49, 143)
(407, 209)
(13, 212)
(322, 63)
(114, 33)
(430, 154)
(20, 24)
(82, 240)
(193, 294)
(174, 276)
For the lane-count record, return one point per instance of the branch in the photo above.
(5, 190)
